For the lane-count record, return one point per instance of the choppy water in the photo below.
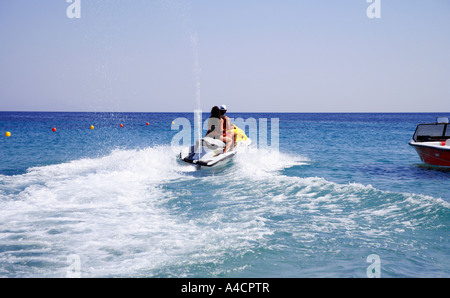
(342, 187)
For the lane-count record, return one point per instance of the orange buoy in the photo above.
(7, 134)
(92, 127)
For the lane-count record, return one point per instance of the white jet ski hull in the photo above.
(209, 152)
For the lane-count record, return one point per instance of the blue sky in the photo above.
(253, 55)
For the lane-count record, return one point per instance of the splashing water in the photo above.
(197, 72)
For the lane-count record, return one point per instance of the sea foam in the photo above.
(142, 213)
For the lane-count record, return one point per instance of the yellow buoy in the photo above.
(8, 134)
(92, 126)
(173, 122)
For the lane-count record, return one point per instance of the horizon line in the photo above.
(238, 112)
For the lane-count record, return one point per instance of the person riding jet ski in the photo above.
(216, 130)
(217, 146)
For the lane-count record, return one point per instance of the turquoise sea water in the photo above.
(341, 187)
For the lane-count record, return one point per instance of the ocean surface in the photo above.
(115, 202)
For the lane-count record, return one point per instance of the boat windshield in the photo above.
(431, 132)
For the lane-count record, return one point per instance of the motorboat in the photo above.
(432, 142)
(209, 152)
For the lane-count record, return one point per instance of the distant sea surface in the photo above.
(116, 202)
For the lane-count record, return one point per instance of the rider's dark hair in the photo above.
(215, 112)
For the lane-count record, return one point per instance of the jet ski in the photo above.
(208, 152)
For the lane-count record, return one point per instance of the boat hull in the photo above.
(433, 154)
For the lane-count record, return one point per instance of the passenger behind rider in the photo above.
(215, 128)
(228, 128)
